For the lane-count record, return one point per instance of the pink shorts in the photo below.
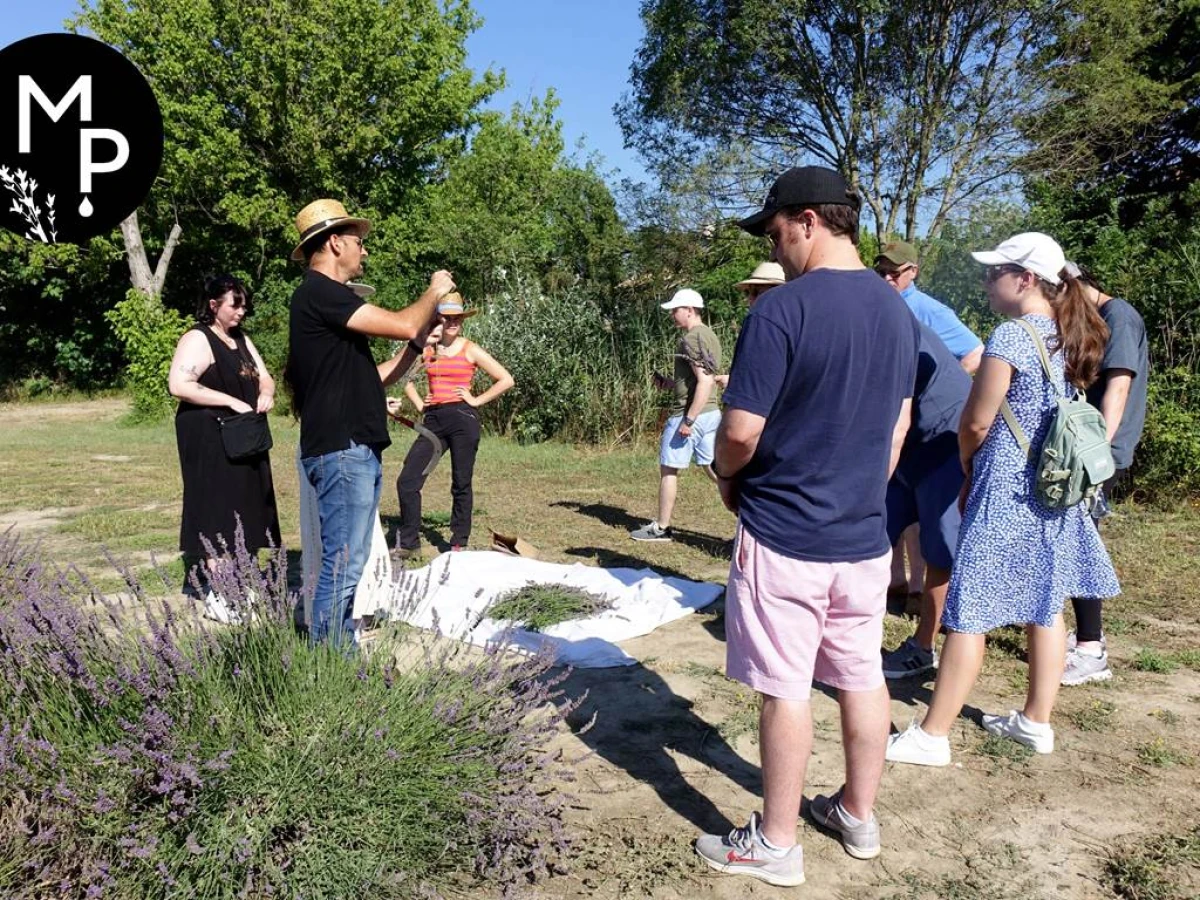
(788, 622)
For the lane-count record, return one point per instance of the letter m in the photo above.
(28, 89)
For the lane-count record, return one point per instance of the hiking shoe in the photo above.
(651, 532)
(916, 747)
(1083, 667)
(861, 839)
(1038, 737)
(910, 658)
(742, 852)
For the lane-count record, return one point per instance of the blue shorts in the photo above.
(677, 452)
(928, 495)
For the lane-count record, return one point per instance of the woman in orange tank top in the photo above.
(450, 363)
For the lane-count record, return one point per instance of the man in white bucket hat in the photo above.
(691, 429)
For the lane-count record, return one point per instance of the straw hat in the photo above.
(764, 273)
(319, 217)
(452, 305)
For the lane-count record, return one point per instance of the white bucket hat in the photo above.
(1032, 250)
(685, 297)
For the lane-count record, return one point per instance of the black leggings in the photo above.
(457, 424)
(1088, 619)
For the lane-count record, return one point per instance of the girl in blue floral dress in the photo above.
(1017, 561)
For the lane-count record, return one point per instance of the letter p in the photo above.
(88, 167)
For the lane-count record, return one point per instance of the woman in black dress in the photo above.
(217, 371)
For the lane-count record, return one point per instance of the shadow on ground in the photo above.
(641, 725)
(615, 517)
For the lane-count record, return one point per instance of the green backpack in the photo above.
(1075, 458)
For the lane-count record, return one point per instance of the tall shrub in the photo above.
(149, 332)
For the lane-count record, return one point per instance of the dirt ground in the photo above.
(672, 752)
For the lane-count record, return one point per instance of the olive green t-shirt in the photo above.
(700, 346)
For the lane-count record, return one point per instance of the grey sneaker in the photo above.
(1082, 668)
(651, 532)
(861, 840)
(742, 852)
(910, 658)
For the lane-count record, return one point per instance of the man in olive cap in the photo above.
(816, 412)
(899, 266)
(338, 394)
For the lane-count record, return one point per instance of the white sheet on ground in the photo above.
(455, 589)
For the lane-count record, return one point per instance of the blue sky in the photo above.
(581, 49)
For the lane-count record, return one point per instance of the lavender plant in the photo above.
(145, 755)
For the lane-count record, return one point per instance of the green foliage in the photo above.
(1151, 660)
(1167, 462)
(514, 202)
(536, 607)
(149, 332)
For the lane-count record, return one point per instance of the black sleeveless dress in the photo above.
(215, 490)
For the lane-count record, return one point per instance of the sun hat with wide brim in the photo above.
(452, 305)
(322, 216)
(764, 273)
(361, 290)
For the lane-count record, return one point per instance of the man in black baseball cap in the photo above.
(817, 409)
(812, 186)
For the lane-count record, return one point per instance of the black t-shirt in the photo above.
(332, 372)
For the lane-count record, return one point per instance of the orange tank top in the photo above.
(446, 373)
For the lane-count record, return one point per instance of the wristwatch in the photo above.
(688, 421)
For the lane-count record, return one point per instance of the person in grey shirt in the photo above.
(1120, 395)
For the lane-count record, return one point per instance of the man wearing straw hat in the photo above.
(764, 277)
(338, 394)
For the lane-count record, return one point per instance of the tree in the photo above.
(1124, 77)
(916, 103)
(514, 201)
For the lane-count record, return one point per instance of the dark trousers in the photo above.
(457, 425)
(1089, 625)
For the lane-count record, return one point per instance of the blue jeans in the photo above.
(348, 483)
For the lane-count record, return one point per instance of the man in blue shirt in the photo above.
(898, 264)
(818, 407)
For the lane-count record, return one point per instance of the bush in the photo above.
(1167, 461)
(149, 332)
(582, 374)
(170, 760)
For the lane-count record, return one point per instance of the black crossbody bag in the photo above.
(245, 435)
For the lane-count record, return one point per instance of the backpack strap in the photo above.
(1005, 410)
(1042, 354)
(1014, 426)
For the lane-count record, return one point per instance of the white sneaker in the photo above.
(914, 746)
(1083, 667)
(217, 608)
(1037, 736)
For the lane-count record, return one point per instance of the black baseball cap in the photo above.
(801, 186)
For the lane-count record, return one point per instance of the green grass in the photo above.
(538, 606)
(1151, 660)
(1004, 750)
(1161, 755)
(1096, 716)
(1161, 867)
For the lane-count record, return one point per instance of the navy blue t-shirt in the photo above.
(827, 359)
(938, 399)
